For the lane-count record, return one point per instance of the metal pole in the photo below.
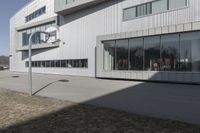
(30, 60)
(30, 65)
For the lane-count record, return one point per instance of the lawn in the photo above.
(20, 113)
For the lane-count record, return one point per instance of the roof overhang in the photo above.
(64, 9)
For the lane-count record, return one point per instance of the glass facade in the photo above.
(109, 55)
(77, 63)
(170, 52)
(152, 53)
(173, 52)
(190, 52)
(121, 55)
(136, 54)
(153, 7)
(38, 38)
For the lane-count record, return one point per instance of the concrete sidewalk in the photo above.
(168, 101)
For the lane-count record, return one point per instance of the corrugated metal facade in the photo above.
(79, 30)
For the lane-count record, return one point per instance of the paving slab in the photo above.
(168, 101)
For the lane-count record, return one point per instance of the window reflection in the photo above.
(122, 55)
(170, 52)
(152, 53)
(174, 52)
(136, 54)
(190, 52)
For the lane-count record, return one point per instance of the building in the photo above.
(156, 40)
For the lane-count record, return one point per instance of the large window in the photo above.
(173, 52)
(122, 54)
(129, 13)
(23, 38)
(190, 52)
(170, 52)
(136, 54)
(141, 10)
(109, 55)
(152, 53)
(38, 38)
(157, 6)
(174, 4)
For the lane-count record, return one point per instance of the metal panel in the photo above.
(78, 32)
(61, 7)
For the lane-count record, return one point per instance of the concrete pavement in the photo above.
(168, 101)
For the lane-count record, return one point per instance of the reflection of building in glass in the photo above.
(174, 52)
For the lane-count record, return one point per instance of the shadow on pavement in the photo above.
(146, 99)
(61, 80)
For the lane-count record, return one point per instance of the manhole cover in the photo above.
(15, 76)
(63, 80)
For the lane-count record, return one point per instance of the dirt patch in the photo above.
(20, 113)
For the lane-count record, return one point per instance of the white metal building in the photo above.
(156, 40)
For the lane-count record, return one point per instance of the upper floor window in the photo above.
(24, 35)
(36, 14)
(69, 1)
(174, 4)
(153, 7)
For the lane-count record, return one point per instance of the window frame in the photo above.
(35, 14)
(68, 63)
(146, 3)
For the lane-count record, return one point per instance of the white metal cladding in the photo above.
(78, 31)
(64, 8)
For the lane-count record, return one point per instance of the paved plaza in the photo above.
(168, 101)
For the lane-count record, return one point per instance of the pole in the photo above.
(30, 65)
(30, 60)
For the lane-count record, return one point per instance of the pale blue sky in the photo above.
(7, 9)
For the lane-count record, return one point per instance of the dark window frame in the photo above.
(74, 63)
(35, 14)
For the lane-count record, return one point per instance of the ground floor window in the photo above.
(152, 53)
(172, 52)
(122, 55)
(190, 52)
(109, 55)
(78, 63)
(136, 54)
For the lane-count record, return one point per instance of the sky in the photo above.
(7, 9)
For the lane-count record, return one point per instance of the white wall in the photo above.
(79, 30)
